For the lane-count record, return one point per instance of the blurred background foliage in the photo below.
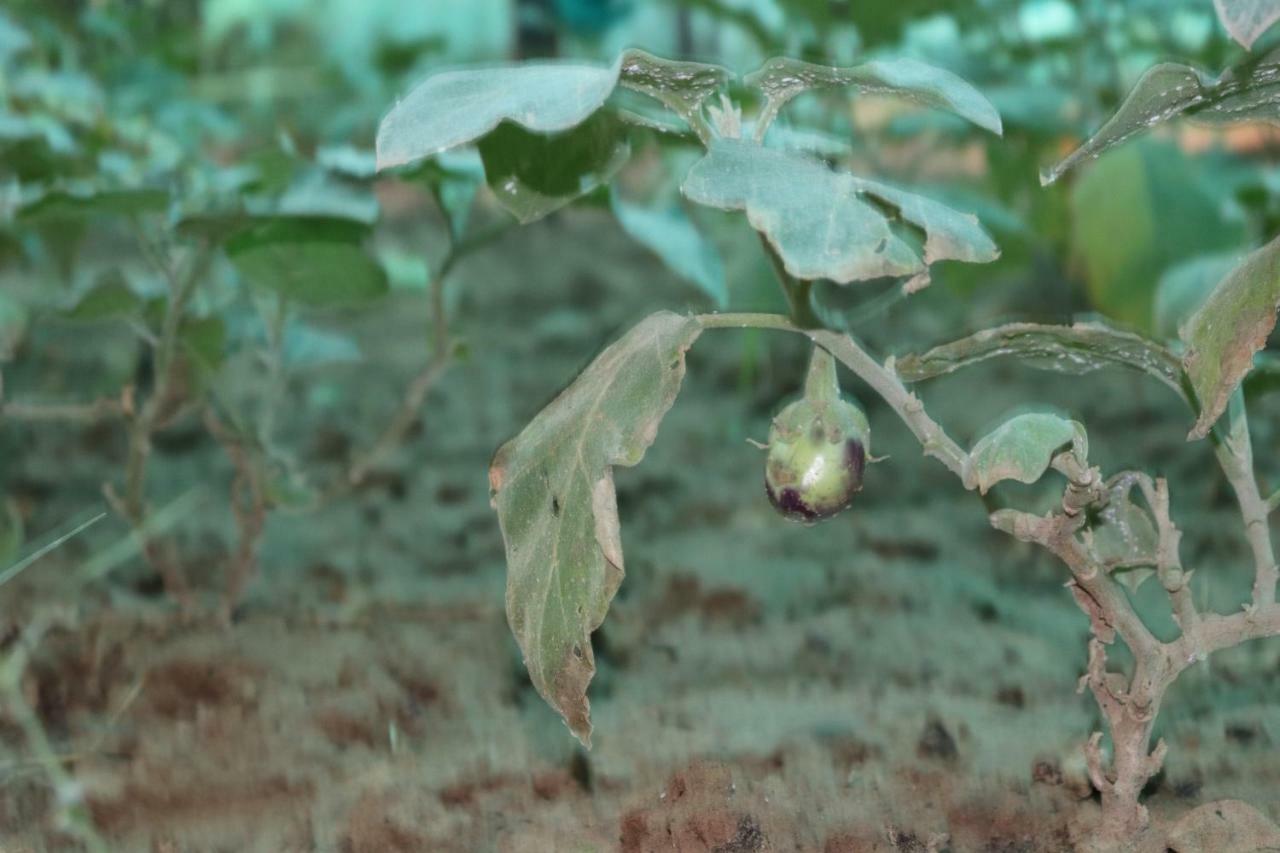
(272, 105)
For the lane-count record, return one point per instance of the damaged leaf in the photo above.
(1232, 325)
(552, 487)
(827, 224)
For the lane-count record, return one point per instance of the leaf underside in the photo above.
(1232, 325)
(831, 225)
(552, 487)
(1246, 92)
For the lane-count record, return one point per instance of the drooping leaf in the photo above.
(109, 298)
(1135, 214)
(552, 486)
(453, 108)
(61, 206)
(781, 79)
(827, 224)
(1246, 92)
(1185, 287)
(1245, 20)
(672, 236)
(1022, 448)
(312, 260)
(13, 324)
(534, 174)
(1076, 349)
(1232, 324)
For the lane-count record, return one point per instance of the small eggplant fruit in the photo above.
(818, 448)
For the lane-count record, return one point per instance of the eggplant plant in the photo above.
(552, 484)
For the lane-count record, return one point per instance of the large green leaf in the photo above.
(1245, 20)
(1248, 91)
(552, 486)
(534, 174)
(1022, 448)
(781, 79)
(1138, 212)
(1228, 329)
(1184, 288)
(453, 108)
(109, 298)
(61, 206)
(1076, 349)
(827, 224)
(312, 260)
(672, 236)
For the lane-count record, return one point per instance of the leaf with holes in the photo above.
(1077, 349)
(782, 79)
(1228, 329)
(832, 225)
(1022, 449)
(552, 487)
(1249, 91)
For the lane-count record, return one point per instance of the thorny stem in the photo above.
(1130, 705)
(248, 504)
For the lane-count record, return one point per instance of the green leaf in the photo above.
(313, 260)
(1123, 536)
(205, 341)
(1077, 349)
(781, 79)
(109, 298)
(534, 174)
(1245, 20)
(453, 108)
(1248, 91)
(552, 486)
(1137, 213)
(1233, 324)
(61, 206)
(1185, 287)
(827, 224)
(12, 532)
(672, 236)
(1022, 448)
(13, 324)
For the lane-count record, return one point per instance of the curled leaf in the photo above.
(552, 487)
(1245, 92)
(1079, 348)
(1022, 448)
(782, 78)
